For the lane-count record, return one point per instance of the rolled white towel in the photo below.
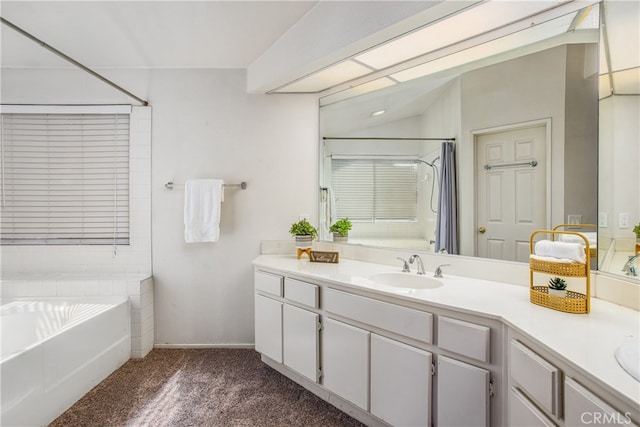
(572, 251)
(592, 238)
(551, 259)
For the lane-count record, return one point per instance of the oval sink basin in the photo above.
(406, 280)
(628, 356)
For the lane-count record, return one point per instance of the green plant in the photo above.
(341, 226)
(557, 283)
(636, 230)
(303, 228)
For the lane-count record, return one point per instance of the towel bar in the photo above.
(243, 185)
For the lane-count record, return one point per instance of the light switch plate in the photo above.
(603, 219)
(623, 220)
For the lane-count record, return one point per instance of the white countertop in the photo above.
(586, 341)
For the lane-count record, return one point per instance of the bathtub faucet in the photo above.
(628, 268)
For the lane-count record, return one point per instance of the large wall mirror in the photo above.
(544, 129)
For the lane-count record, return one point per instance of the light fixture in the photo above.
(378, 113)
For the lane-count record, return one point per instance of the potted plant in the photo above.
(340, 229)
(558, 287)
(636, 230)
(304, 233)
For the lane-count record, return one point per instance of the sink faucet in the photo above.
(405, 265)
(420, 264)
(628, 268)
(438, 272)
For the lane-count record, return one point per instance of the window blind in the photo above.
(375, 190)
(65, 179)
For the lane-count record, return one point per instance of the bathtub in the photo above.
(54, 350)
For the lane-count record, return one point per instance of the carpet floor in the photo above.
(203, 387)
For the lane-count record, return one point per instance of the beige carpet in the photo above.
(212, 387)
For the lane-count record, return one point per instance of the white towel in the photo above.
(592, 238)
(572, 251)
(202, 198)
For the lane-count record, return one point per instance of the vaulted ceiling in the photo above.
(146, 34)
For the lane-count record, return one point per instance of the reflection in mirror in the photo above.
(619, 140)
(524, 120)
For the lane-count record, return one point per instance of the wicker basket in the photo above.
(567, 269)
(573, 302)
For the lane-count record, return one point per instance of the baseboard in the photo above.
(198, 346)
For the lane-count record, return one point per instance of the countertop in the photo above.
(586, 341)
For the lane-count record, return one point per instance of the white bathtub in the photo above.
(54, 350)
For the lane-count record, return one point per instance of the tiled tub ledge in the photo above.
(138, 288)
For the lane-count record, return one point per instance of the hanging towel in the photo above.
(202, 198)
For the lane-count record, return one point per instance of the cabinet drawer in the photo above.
(269, 283)
(537, 378)
(304, 293)
(582, 408)
(523, 413)
(405, 321)
(465, 338)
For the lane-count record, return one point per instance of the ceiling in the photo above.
(146, 34)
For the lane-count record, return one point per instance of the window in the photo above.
(375, 190)
(65, 178)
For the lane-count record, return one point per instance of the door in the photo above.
(300, 341)
(268, 327)
(463, 394)
(400, 383)
(345, 361)
(511, 191)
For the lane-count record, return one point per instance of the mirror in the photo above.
(545, 85)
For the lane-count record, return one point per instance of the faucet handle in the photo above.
(405, 265)
(438, 273)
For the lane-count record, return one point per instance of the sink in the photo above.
(628, 356)
(406, 280)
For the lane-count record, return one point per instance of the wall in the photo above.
(204, 124)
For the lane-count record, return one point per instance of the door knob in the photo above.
(482, 229)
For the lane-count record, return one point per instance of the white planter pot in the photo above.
(340, 238)
(558, 292)
(303, 242)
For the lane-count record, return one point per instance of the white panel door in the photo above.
(345, 361)
(400, 383)
(511, 194)
(300, 341)
(268, 327)
(463, 394)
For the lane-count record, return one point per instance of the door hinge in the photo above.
(491, 393)
(319, 375)
(433, 369)
(319, 324)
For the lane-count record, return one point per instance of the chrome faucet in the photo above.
(420, 264)
(405, 265)
(628, 268)
(438, 272)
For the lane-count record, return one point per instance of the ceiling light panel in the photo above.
(357, 90)
(336, 74)
(486, 51)
(478, 20)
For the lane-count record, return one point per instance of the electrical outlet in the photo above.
(623, 220)
(603, 220)
(574, 219)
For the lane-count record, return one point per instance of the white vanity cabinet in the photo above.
(543, 392)
(284, 332)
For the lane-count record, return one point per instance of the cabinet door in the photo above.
(583, 408)
(345, 361)
(268, 327)
(463, 394)
(300, 341)
(400, 383)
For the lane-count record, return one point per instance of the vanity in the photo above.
(388, 349)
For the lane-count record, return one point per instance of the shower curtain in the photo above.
(447, 222)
